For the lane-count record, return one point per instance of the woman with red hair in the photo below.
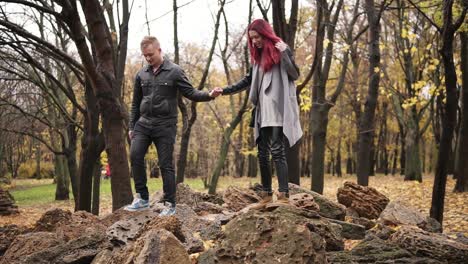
(275, 117)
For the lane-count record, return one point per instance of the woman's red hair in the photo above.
(269, 55)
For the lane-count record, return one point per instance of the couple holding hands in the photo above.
(153, 117)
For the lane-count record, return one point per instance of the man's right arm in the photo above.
(135, 108)
(240, 85)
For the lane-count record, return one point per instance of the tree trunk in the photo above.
(338, 160)
(70, 155)
(366, 126)
(61, 174)
(450, 113)
(413, 155)
(96, 188)
(318, 124)
(349, 160)
(395, 155)
(38, 159)
(91, 148)
(252, 168)
(213, 181)
(372, 159)
(462, 168)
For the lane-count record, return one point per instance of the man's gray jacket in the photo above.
(155, 94)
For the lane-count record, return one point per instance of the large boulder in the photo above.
(186, 225)
(327, 208)
(398, 214)
(7, 203)
(155, 246)
(51, 219)
(432, 245)
(69, 226)
(236, 198)
(59, 237)
(128, 227)
(7, 236)
(30, 243)
(376, 250)
(366, 201)
(79, 250)
(283, 235)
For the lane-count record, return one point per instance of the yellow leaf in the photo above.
(325, 42)
(376, 69)
(404, 33)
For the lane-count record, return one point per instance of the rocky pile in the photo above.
(221, 229)
(7, 203)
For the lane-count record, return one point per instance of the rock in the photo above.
(7, 236)
(128, 228)
(112, 218)
(398, 214)
(60, 237)
(156, 246)
(459, 237)
(237, 198)
(351, 212)
(221, 219)
(27, 244)
(366, 223)
(184, 224)
(381, 231)
(284, 235)
(328, 208)
(80, 250)
(69, 226)
(432, 245)
(192, 223)
(171, 224)
(103, 257)
(350, 230)
(366, 201)
(376, 250)
(205, 208)
(304, 201)
(7, 203)
(185, 195)
(51, 219)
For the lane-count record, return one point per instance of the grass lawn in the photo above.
(42, 192)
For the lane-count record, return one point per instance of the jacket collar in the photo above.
(164, 66)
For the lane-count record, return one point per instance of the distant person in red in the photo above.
(108, 172)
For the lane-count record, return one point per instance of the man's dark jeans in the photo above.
(163, 136)
(271, 139)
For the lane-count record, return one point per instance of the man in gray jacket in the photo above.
(153, 119)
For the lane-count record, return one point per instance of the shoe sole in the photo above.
(136, 210)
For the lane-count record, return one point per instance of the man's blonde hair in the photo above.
(149, 40)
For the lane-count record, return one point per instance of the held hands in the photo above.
(281, 46)
(217, 91)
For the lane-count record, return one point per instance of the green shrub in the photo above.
(27, 170)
